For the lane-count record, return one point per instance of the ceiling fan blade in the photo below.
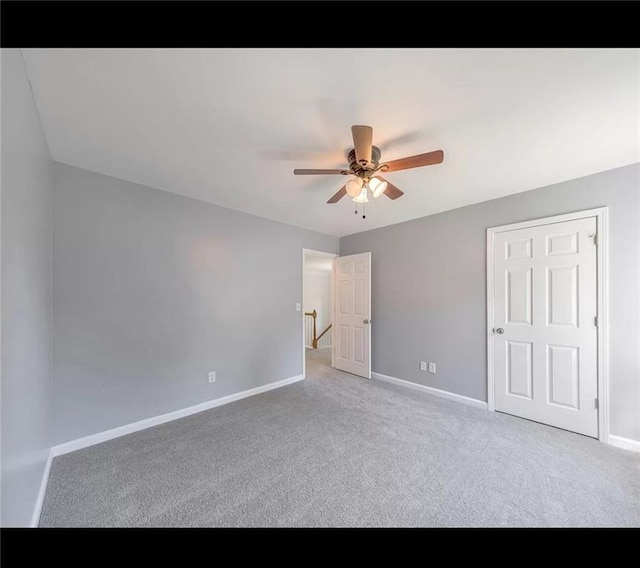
(428, 159)
(362, 143)
(339, 195)
(320, 172)
(392, 192)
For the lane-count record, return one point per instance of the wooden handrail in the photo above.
(314, 315)
(316, 337)
(320, 336)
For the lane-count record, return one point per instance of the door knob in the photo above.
(499, 330)
(365, 321)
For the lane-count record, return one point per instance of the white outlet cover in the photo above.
(432, 367)
(423, 365)
(212, 377)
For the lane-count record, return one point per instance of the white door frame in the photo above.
(602, 275)
(304, 351)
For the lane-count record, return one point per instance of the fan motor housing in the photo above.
(357, 169)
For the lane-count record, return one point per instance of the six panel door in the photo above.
(545, 334)
(352, 330)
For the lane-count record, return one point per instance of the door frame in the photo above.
(602, 285)
(313, 252)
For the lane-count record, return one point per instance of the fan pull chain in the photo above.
(364, 203)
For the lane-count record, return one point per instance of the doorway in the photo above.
(546, 315)
(317, 308)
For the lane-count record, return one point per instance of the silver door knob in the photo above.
(499, 330)
(365, 321)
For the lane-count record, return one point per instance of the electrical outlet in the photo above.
(432, 367)
(212, 377)
(423, 365)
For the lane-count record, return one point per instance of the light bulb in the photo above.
(377, 187)
(354, 187)
(362, 197)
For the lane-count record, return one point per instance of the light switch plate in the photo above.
(297, 306)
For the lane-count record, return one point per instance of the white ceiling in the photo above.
(228, 126)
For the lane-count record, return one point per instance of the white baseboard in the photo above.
(35, 518)
(624, 443)
(430, 390)
(94, 439)
(617, 441)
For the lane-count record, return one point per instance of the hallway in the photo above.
(318, 361)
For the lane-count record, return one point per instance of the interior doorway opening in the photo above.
(317, 307)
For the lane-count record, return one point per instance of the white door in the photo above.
(352, 314)
(545, 334)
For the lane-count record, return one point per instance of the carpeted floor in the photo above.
(340, 451)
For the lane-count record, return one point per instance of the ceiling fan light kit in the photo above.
(354, 187)
(364, 164)
(377, 186)
(362, 198)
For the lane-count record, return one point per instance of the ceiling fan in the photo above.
(364, 164)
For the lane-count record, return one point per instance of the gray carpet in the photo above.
(340, 451)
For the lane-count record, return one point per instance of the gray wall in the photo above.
(429, 287)
(26, 295)
(152, 290)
